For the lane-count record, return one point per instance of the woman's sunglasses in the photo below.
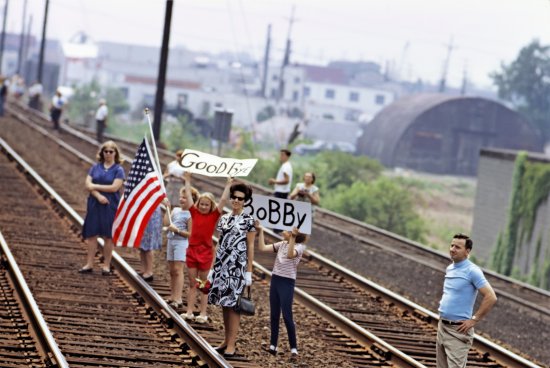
(237, 198)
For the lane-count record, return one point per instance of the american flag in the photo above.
(142, 195)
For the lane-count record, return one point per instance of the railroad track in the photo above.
(405, 319)
(25, 340)
(114, 321)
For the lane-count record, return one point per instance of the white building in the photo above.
(325, 93)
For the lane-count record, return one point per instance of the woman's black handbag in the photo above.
(245, 305)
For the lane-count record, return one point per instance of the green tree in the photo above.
(266, 113)
(83, 102)
(383, 203)
(116, 101)
(526, 83)
(338, 168)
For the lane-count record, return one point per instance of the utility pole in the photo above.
(161, 81)
(286, 59)
(42, 44)
(3, 37)
(464, 80)
(266, 60)
(443, 82)
(22, 39)
(26, 47)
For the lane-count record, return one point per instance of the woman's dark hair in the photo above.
(241, 187)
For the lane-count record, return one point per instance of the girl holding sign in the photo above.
(200, 253)
(281, 291)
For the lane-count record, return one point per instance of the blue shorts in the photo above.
(177, 250)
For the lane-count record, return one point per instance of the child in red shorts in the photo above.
(200, 253)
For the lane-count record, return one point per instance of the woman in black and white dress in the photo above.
(232, 270)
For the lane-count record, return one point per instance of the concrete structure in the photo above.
(494, 186)
(444, 134)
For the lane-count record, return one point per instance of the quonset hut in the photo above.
(444, 134)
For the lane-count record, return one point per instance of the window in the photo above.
(296, 80)
(307, 91)
(275, 77)
(295, 95)
(329, 93)
(354, 96)
(274, 93)
(379, 99)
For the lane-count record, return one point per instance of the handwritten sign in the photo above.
(210, 165)
(280, 213)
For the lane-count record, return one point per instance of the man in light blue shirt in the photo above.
(463, 280)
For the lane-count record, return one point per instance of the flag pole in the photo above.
(159, 172)
(155, 149)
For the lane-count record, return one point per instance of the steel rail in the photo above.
(196, 342)
(499, 353)
(53, 356)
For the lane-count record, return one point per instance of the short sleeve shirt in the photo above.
(180, 219)
(102, 113)
(284, 266)
(285, 168)
(203, 227)
(462, 281)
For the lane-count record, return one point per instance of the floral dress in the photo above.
(231, 259)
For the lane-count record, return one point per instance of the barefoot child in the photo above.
(281, 291)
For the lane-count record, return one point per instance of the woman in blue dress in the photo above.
(104, 181)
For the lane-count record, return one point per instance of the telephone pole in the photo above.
(161, 81)
(42, 43)
(443, 82)
(3, 37)
(266, 60)
(286, 59)
(22, 39)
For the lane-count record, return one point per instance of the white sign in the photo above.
(280, 213)
(210, 165)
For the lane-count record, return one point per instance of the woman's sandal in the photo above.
(220, 349)
(188, 316)
(201, 319)
(175, 304)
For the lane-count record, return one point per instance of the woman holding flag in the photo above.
(104, 181)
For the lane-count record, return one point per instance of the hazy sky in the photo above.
(412, 35)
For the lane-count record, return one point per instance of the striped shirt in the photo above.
(284, 266)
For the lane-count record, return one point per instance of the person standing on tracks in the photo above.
(283, 182)
(463, 280)
(179, 231)
(306, 191)
(200, 255)
(101, 119)
(56, 108)
(35, 95)
(3, 94)
(174, 179)
(151, 240)
(232, 270)
(281, 290)
(103, 181)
